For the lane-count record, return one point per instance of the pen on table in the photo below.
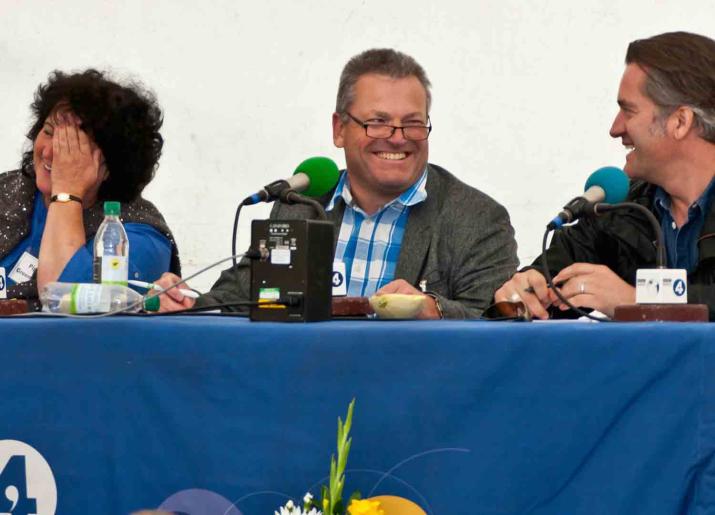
(151, 286)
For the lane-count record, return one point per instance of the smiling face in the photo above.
(381, 169)
(42, 152)
(641, 128)
(42, 159)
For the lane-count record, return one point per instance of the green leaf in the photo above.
(334, 492)
(349, 418)
(343, 456)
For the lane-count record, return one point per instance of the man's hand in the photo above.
(429, 309)
(517, 289)
(173, 300)
(593, 286)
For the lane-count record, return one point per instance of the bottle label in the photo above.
(115, 270)
(89, 298)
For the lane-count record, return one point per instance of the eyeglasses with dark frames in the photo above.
(384, 131)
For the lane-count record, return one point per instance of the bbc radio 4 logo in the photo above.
(27, 485)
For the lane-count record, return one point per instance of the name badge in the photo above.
(3, 284)
(661, 286)
(24, 269)
(340, 287)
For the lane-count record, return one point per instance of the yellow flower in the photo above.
(365, 507)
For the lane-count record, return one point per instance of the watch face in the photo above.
(64, 197)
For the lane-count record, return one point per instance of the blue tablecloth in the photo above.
(461, 417)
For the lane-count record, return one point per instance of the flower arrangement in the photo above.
(331, 502)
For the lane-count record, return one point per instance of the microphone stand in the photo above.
(279, 189)
(290, 196)
(660, 260)
(665, 312)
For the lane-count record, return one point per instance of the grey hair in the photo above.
(668, 99)
(381, 61)
(680, 70)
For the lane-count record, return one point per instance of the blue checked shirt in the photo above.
(370, 245)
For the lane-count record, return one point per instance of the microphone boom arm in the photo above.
(290, 196)
(660, 260)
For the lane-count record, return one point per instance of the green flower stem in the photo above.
(337, 468)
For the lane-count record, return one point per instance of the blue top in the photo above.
(681, 244)
(369, 245)
(150, 251)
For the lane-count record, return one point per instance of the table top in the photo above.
(542, 418)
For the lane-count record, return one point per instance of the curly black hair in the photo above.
(123, 120)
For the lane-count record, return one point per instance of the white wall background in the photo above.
(524, 91)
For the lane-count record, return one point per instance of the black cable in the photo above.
(207, 307)
(550, 283)
(194, 309)
(292, 197)
(235, 230)
(599, 209)
(660, 258)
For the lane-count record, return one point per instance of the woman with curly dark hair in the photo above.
(92, 140)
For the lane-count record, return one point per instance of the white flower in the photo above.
(307, 498)
(291, 509)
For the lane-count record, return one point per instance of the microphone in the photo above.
(314, 177)
(608, 184)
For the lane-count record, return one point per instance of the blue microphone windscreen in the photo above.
(323, 174)
(614, 182)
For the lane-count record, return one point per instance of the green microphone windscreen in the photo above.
(323, 174)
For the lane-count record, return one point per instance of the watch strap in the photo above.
(437, 303)
(65, 197)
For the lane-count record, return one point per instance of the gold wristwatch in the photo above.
(65, 197)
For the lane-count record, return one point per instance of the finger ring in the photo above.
(582, 288)
(514, 297)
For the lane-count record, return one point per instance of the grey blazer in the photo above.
(459, 241)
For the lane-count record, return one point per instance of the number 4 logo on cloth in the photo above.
(3, 284)
(27, 485)
(340, 288)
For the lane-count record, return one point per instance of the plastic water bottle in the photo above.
(111, 249)
(83, 298)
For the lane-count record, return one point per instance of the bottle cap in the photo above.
(112, 208)
(152, 303)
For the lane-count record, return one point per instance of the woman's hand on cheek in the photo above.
(76, 159)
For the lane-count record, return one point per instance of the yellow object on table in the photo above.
(397, 305)
(392, 505)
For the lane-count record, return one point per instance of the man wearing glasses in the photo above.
(406, 223)
(406, 226)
